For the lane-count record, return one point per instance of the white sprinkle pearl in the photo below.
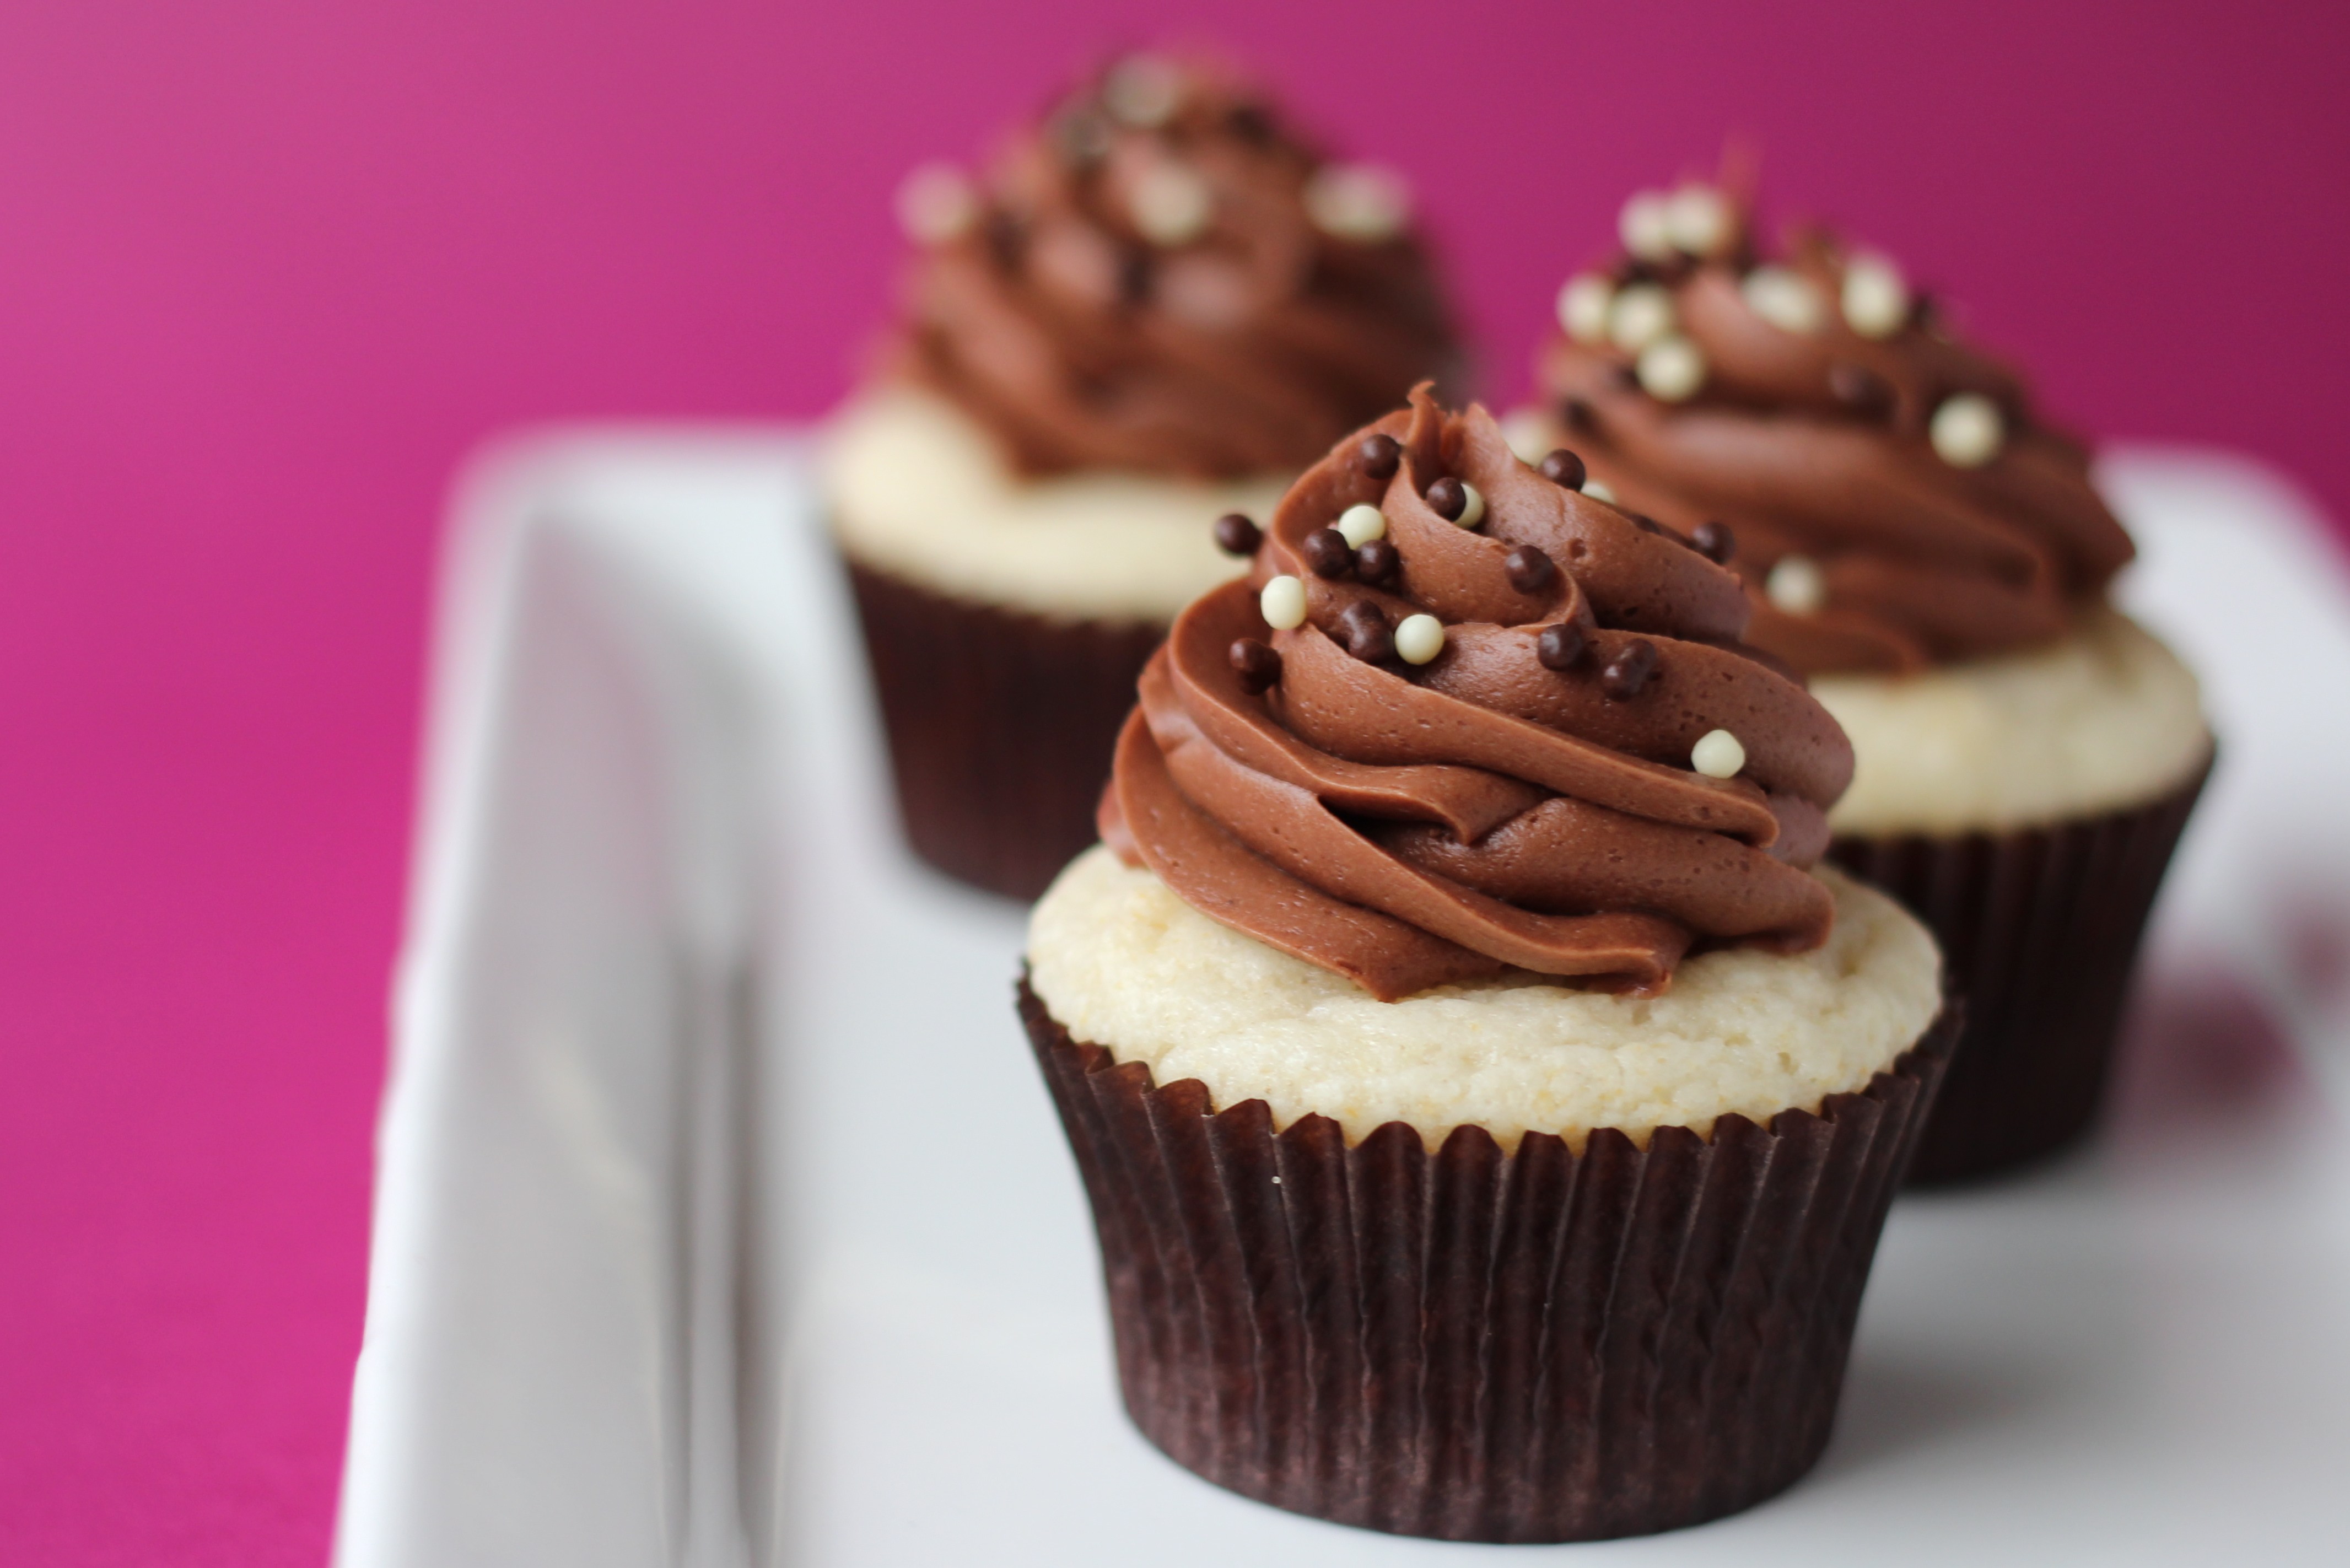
(1598, 492)
(1472, 506)
(1143, 91)
(1639, 315)
(1645, 225)
(1785, 299)
(1875, 299)
(1796, 585)
(1697, 219)
(936, 203)
(1419, 638)
(1528, 432)
(1583, 302)
(1170, 205)
(1968, 431)
(1718, 754)
(1361, 523)
(1284, 604)
(1367, 203)
(1671, 369)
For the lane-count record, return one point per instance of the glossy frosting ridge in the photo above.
(1408, 824)
(1821, 412)
(1163, 277)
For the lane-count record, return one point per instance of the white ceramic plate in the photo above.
(722, 1218)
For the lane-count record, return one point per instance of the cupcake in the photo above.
(1151, 310)
(1489, 1111)
(1920, 543)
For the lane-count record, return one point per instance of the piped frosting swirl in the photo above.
(1520, 796)
(1163, 277)
(1820, 410)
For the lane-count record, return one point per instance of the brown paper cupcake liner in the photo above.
(2039, 931)
(1000, 726)
(1531, 1346)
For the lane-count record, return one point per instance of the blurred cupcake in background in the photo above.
(1148, 312)
(1918, 542)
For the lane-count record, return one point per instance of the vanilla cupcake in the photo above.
(1918, 542)
(1489, 1112)
(1150, 311)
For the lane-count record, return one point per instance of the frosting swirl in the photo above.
(1517, 794)
(1163, 277)
(1823, 413)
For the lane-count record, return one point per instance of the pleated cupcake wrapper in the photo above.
(1000, 726)
(2040, 932)
(1531, 1346)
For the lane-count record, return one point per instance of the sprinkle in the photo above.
(1671, 369)
(1362, 522)
(1860, 389)
(1796, 585)
(1968, 429)
(1785, 299)
(1527, 434)
(1697, 220)
(1714, 541)
(1598, 491)
(1258, 664)
(1472, 509)
(1170, 205)
(1367, 636)
(1143, 91)
(1366, 203)
(1378, 561)
(936, 203)
(1419, 638)
(1718, 754)
(1645, 225)
(1583, 302)
(1327, 553)
(1629, 671)
(1565, 470)
(1639, 317)
(1530, 569)
(1875, 299)
(1448, 499)
(1236, 535)
(1378, 455)
(1559, 646)
(1283, 603)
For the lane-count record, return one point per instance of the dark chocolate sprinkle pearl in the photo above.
(1378, 455)
(1860, 389)
(1447, 499)
(1560, 646)
(1258, 663)
(1134, 278)
(1251, 123)
(1327, 552)
(1630, 671)
(1369, 636)
(1005, 234)
(1565, 469)
(1578, 415)
(1376, 562)
(1530, 570)
(1715, 542)
(1236, 535)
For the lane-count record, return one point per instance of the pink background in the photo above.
(266, 274)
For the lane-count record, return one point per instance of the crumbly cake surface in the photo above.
(921, 492)
(2105, 720)
(1120, 961)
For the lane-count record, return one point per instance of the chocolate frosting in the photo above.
(1809, 436)
(1163, 277)
(1408, 826)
